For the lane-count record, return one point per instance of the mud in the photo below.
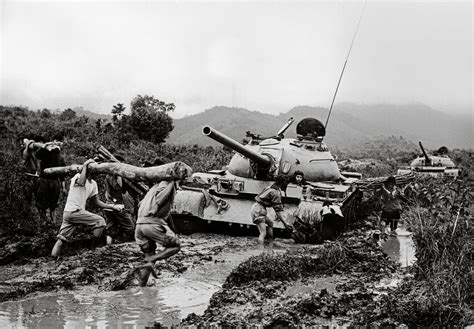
(344, 282)
(110, 268)
(338, 283)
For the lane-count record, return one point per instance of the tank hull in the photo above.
(432, 171)
(199, 209)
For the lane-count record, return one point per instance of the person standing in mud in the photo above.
(39, 156)
(82, 188)
(269, 197)
(119, 223)
(391, 207)
(152, 227)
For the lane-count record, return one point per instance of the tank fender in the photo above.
(188, 202)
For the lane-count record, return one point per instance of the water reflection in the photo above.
(167, 302)
(400, 248)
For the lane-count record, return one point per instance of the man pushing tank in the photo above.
(270, 196)
(152, 226)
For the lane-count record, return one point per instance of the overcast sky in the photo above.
(264, 56)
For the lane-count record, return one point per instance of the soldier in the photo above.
(298, 178)
(82, 188)
(152, 227)
(39, 156)
(392, 206)
(119, 223)
(269, 197)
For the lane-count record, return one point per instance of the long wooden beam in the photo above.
(170, 171)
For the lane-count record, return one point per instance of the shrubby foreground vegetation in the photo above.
(127, 136)
(439, 214)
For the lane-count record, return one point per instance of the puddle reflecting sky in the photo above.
(400, 248)
(167, 302)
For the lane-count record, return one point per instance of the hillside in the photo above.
(350, 124)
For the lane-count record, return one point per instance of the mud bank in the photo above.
(109, 268)
(339, 283)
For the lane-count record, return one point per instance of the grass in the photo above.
(441, 290)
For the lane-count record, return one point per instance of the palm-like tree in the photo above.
(117, 111)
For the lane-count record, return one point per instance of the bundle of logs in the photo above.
(377, 182)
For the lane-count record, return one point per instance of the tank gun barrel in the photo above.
(427, 158)
(219, 137)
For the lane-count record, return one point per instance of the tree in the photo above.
(45, 113)
(149, 118)
(67, 115)
(117, 111)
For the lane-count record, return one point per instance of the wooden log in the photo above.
(170, 171)
(138, 188)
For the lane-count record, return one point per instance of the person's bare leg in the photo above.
(262, 229)
(270, 233)
(57, 248)
(52, 216)
(165, 253)
(98, 235)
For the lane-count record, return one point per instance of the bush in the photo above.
(440, 293)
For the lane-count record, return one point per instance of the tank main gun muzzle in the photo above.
(260, 159)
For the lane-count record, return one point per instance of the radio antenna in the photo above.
(345, 63)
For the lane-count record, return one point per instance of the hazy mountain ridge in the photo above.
(350, 124)
(81, 112)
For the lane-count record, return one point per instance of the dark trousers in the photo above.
(391, 217)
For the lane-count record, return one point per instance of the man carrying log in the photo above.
(82, 188)
(120, 224)
(39, 156)
(152, 226)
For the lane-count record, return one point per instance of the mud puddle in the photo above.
(400, 248)
(169, 299)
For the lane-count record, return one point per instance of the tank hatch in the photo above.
(310, 128)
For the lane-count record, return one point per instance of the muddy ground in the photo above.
(108, 267)
(340, 282)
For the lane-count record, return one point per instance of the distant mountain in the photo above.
(81, 112)
(350, 124)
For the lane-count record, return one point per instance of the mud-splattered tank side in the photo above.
(228, 195)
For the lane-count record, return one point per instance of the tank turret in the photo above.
(432, 165)
(427, 158)
(265, 158)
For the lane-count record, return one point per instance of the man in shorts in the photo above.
(152, 227)
(82, 188)
(269, 197)
(391, 208)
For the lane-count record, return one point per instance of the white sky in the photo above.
(264, 56)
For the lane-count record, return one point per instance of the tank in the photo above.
(436, 165)
(226, 195)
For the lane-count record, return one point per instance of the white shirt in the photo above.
(327, 210)
(78, 195)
